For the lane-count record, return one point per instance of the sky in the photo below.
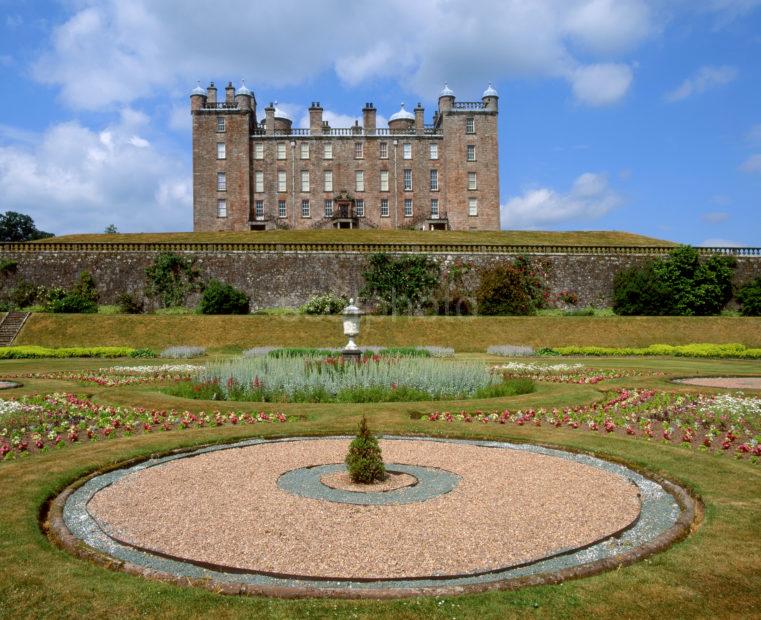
(634, 115)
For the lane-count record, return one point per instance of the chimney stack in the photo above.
(419, 119)
(211, 93)
(315, 118)
(229, 93)
(369, 116)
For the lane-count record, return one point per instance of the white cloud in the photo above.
(752, 164)
(715, 217)
(705, 78)
(113, 52)
(721, 243)
(601, 84)
(589, 198)
(73, 179)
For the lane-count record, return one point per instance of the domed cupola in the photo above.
(198, 90)
(446, 91)
(244, 90)
(283, 121)
(490, 91)
(401, 119)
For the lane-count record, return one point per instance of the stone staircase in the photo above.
(10, 327)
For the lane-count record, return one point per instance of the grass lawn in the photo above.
(597, 238)
(464, 334)
(715, 572)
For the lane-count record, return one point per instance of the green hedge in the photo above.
(34, 351)
(684, 350)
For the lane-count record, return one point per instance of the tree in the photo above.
(749, 297)
(364, 460)
(111, 229)
(510, 289)
(19, 227)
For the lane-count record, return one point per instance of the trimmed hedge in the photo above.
(685, 350)
(27, 352)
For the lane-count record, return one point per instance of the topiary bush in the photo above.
(328, 303)
(220, 298)
(510, 289)
(364, 460)
(749, 297)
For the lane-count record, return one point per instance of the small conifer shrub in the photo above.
(364, 460)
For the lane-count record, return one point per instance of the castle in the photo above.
(250, 175)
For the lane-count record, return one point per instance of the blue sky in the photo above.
(636, 115)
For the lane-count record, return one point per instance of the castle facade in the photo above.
(250, 175)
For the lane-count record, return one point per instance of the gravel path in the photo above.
(225, 508)
(745, 383)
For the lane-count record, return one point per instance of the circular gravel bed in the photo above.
(341, 481)
(743, 383)
(219, 514)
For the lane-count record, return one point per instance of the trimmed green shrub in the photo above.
(364, 459)
(749, 297)
(328, 303)
(400, 285)
(171, 278)
(220, 298)
(82, 299)
(30, 352)
(510, 289)
(678, 285)
(684, 350)
(143, 353)
(129, 304)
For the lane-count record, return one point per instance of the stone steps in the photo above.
(11, 326)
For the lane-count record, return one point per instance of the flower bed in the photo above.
(565, 373)
(730, 423)
(34, 423)
(120, 375)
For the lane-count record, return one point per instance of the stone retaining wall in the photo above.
(290, 278)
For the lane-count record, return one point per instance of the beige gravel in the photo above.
(225, 508)
(341, 480)
(743, 383)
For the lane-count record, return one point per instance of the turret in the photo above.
(446, 99)
(244, 98)
(490, 98)
(401, 119)
(197, 98)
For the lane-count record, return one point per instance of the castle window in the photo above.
(470, 125)
(221, 207)
(305, 180)
(384, 180)
(221, 153)
(304, 208)
(220, 123)
(281, 181)
(434, 180)
(433, 150)
(327, 150)
(360, 208)
(328, 180)
(407, 207)
(472, 206)
(281, 208)
(471, 152)
(359, 150)
(304, 150)
(383, 150)
(258, 150)
(407, 179)
(328, 208)
(406, 151)
(221, 182)
(359, 181)
(258, 181)
(281, 150)
(384, 207)
(472, 180)
(259, 209)
(434, 208)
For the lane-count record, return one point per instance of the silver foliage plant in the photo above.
(182, 352)
(510, 350)
(290, 375)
